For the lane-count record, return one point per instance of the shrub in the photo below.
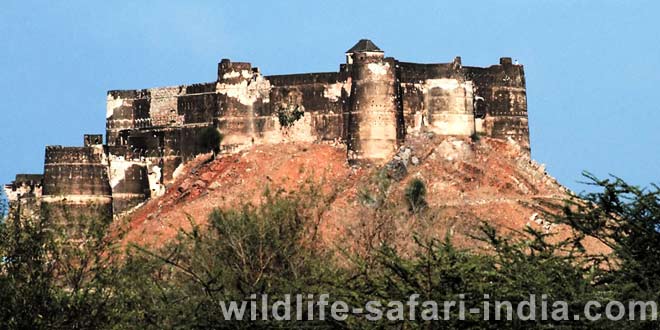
(209, 139)
(4, 205)
(415, 195)
(255, 249)
(288, 116)
(475, 137)
(381, 181)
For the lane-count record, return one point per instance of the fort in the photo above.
(371, 104)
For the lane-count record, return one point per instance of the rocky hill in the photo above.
(467, 182)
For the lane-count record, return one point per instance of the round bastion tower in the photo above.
(75, 185)
(372, 123)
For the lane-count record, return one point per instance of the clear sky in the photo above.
(592, 67)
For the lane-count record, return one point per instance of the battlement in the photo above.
(92, 140)
(232, 72)
(411, 72)
(73, 155)
(245, 106)
(25, 185)
(201, 88)
(24, 196)
(29, 179)
(304, 78)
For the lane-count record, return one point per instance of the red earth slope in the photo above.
(467, 182)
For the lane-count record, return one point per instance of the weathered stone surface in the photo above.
(24, 195)
(76, 184)
(371, 104)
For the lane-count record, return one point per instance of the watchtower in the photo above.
(372, 127)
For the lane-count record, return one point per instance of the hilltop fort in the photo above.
(370, 105)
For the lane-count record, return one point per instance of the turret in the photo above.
(501, 101)
(242, 97)
(76, 185)
(234, 72)
(509, 111)
(372, 119)
(129, 179)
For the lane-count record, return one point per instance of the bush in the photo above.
(50, 281)
(209, 139)
(381, 181)
(266, 249)
(4, 205)
(288, 116)
(415, 195)
(475, 137)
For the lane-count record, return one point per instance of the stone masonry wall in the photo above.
(371, 104)
(372, 131)
(501, 92)
(24, 195)
(76, 184)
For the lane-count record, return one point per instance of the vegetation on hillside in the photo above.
(209, 140)
(415, 193)
(4, 205)
(51, 281)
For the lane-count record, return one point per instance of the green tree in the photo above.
(26, 298)
(268, 249)
(209, 139)
(510, 269)
(625, 218)
(53, 279)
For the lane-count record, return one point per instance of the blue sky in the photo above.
(593, 68)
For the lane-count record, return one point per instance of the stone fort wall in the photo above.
(371, 104)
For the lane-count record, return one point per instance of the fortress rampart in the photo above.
(370, 104)
(76, 183)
